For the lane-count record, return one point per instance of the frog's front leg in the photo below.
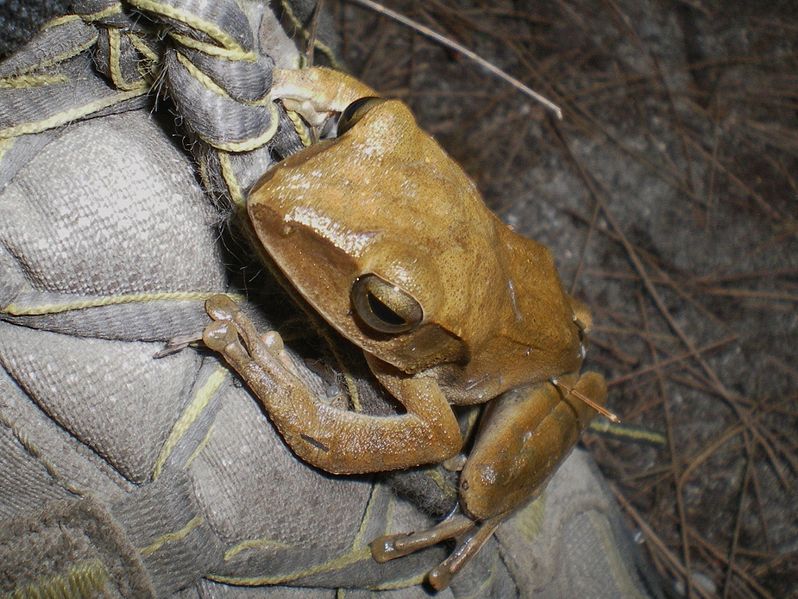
(335, 440)
(317, 92)
(523, 437)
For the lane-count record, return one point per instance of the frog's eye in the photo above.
(384, 307)
(355, 111)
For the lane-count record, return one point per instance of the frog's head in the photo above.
(386, 237)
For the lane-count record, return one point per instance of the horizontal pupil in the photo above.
(383, 312)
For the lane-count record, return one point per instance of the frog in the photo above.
(385, 237)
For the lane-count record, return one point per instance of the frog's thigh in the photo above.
(319, 88)
(524, 437)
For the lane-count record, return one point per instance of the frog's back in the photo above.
(384, 198)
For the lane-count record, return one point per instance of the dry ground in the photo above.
(669, 194)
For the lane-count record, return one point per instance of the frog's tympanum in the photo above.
(385, 236)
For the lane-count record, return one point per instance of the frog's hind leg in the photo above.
(524, 436)
(393, 546)
(440, 576)
(390, 547)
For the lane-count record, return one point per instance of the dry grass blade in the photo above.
(672, 360)
(656, 542)
(673, 450)
(434, 35)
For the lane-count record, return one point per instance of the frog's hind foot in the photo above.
(390, 547)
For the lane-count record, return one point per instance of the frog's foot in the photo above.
(454, 527)
(230, 326)
(317, 92)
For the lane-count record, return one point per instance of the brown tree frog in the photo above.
(385, 236)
